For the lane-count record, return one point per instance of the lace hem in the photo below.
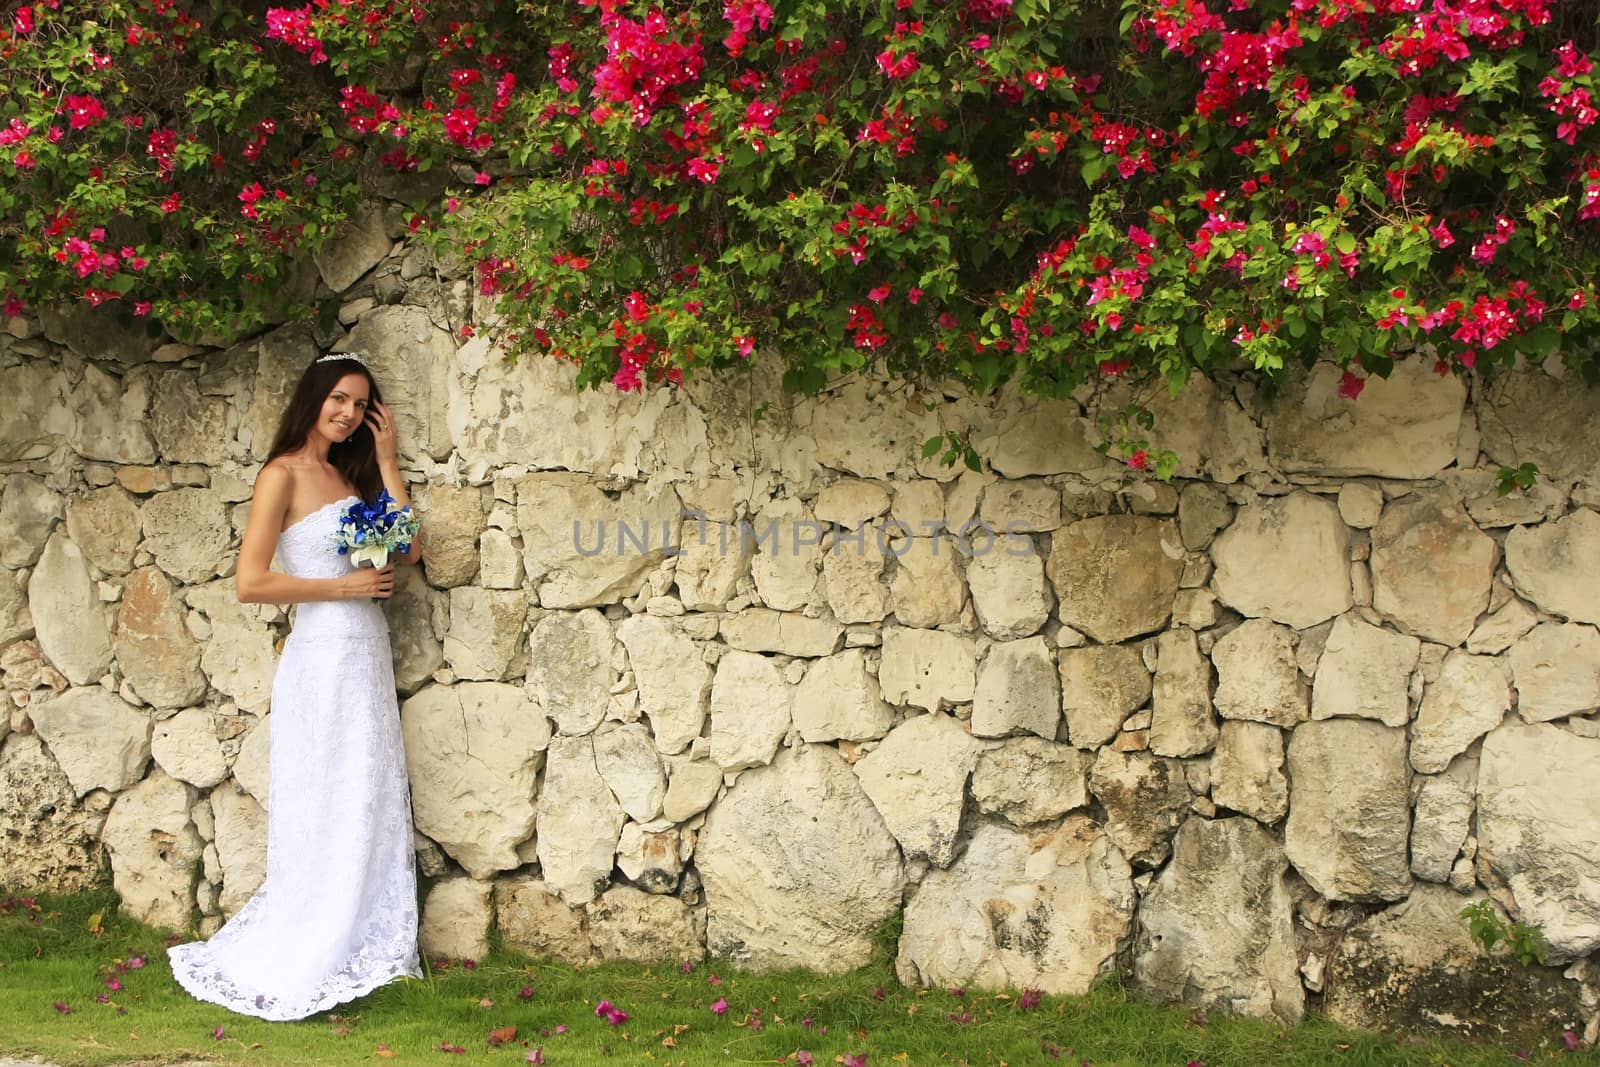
(205, 980)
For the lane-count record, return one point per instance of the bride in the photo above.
(337, 914)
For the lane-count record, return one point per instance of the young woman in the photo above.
(337, 914)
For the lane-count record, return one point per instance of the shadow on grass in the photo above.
(79, 984)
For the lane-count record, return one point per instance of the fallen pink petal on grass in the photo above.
(535, 1055)
(719, 1006)
(63, 1007)
(216, 1034)
(525, 993)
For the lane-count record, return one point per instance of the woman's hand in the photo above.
(381, 421)
(373, 582)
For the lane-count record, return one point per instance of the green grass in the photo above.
(51, 955)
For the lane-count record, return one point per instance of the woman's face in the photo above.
(345, 408)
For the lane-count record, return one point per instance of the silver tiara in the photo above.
(331, 356)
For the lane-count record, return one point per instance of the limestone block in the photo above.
(1018, 691)
(626, 757)
(1046, 437)
(691, 787)
(71, 630)
(252, 767)
(51, 843)
(186, 747)
(532, 918)
(500, 560)
(1248, 965)
(582, 548)
(929, 669)
(626, 924)
(1247, 771)
(750, 713)
(1349, 809)
(1145, 798)
(787, 632)
(1360, 504)
(1021, 911)
(1557, 671)
(798, 867)
(852, 577)
(1501, 630)
(1258, 676)
(926, 589)
(1285, 558)
(917, 779)
(485, 641)
(1442, 819)
(870, 436)
(579, 822)
(1100, 687)
(153, 845)
(105, 525)
(152, 644)
(1557, 565)
(850, 502)
(1542, 419)
(674, 682)
(188, 532)
(570, 673)
(109, 421)
(240, 835)
(1365, 672)
(1114, 576)
(713, 558)
(1028, 780)
(652, 860)
(188, 426)
(32, 510)
(239, 659)
(1470, 698)
(455, 920)
(39, 414)
(1431, 568)
(452, 519)
(414, 359)
(1021, 506)
(1008, 585)
(16, 621)
(1181, 723)
(787, 562)
(473, 753)
(358, 247)
(839, 699)
(1203, 510)
(100, 741)
(418, 650)
(1538, 792)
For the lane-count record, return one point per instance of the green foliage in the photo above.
(1511, 479)
(1526, 943)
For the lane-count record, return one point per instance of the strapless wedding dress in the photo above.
(337, 914)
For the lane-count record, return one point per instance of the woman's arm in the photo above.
(255, 582)
(381, 421)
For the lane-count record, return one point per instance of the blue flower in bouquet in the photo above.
(371, 533)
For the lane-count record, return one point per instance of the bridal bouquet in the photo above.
(369, 533)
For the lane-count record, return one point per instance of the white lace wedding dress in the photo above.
(337, 914)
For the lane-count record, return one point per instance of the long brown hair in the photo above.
(356, 457)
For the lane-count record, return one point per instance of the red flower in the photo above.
(1351, 384)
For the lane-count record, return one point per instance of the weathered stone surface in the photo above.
(1500, 630)
(152, 844)
(485, 639)
(110, 422)
(100, 741)
(1349, 809)
(105, 526)
(1258, 676)
(1018, 911)
(1028, 780)
(50, 843)
(1470, 698)
(1008, 586)
(418, 651)
(570, 674)
(926, 588)
(1181, 722)
(355, 250)
(674, 681)
(32, 510)
(1115, 575)
(1286, 558)
(1018, 691)
(1100, 687)
(499, 560)
(1247, 771)
(1047, 437)
(532, 918)
(788, 556)
(1016, 507)
(241, 841)
(849, 502)
(450, 535)
(252, 767)
(185, 746)
(579, 822)
(1545, 420)
(1415, 969)
(1247, 965)
(188, 426)
(626, 758)
(869, 436)
(917, 779)
(651, 860)
(1145, 798)
(455, 920)
(1557, 671)
(473, 753)
(1202, 511)
(1360, 504)
(16, 621)
(691, 787)
(1365, 672)
(239, 659)
(929, 669)
(1538, 795)
(582, 548)
(1403, 426)
(66, 613)
(39, 413)
(188, 532)
(788, 632)
(838, 699)
(749, 710)
(152, 645)
(1557, 565)
(1431, 568)
(852, 577)
(799, 869)
(625, 924)
(1442, 819)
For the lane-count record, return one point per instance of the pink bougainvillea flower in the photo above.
(715, 979)
(878, 293)
(535, 1055)
(744, 344)
(1140, 460)
(135, 963)
(63, 1007)
(853, 1059)
(216, 1035)
(525, 993)
(719, 1006)
(1351, 384)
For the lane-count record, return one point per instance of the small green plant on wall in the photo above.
(1525, 942)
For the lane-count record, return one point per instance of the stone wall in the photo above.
(713, 670)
